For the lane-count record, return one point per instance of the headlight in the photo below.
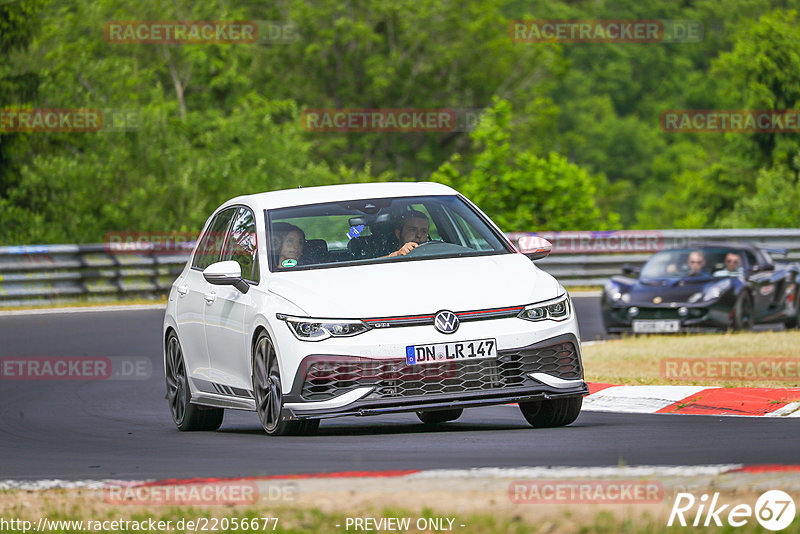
(615, 294)
(310, 329)
(715, 290)
(557, 309)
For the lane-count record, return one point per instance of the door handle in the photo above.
(182, 290)
(210, 297)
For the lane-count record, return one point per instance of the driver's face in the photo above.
(414, 229)
(696, 262)
(292, 246)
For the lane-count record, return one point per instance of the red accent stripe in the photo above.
(491, 311)
(595, 387)
(734, 401)
(404, 318)
(766, 468)
(390, 319)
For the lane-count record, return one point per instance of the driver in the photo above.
(412, 232)
(696, 263)
(288, 241)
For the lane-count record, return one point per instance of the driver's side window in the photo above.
(210, 247)
(241, 245)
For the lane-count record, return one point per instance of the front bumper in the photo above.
(545, 370)
(436, 402)
(706, 317)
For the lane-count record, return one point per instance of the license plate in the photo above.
(451, 352)
(656, 326)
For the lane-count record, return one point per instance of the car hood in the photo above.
(412, 287)
(642, 292)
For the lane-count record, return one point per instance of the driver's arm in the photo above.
(405, 249)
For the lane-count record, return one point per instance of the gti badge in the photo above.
(446, 322)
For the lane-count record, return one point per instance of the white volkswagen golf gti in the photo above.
(365, 299)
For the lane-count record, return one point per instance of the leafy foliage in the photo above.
(571, 137)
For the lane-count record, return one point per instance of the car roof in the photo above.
(334, 193)
(719, 244)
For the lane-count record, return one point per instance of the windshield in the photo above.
(695, 262)
(376, 230)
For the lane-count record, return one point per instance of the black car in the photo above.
(716, 286)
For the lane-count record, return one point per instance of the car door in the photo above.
(761, 285)
(230, 311)
(192, 290)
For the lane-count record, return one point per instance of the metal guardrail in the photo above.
(48, 273)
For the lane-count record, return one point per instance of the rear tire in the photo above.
(440, 416)
(551, 413)
(185, 415)
(743, 312)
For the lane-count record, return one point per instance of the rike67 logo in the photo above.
(774, 510)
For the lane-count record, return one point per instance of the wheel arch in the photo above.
(169, 329)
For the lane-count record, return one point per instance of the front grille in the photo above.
(393, 378)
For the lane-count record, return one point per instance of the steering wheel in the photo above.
(443, 246)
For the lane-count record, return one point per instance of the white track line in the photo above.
(578, 472)
(790, 410)
(638, 399)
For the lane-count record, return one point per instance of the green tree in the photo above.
(521, 190)
(18, 86)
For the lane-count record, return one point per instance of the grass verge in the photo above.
(294, 520)
(641, 360)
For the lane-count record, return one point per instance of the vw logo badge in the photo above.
(446, 322)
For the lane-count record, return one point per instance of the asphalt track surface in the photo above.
(122, 429)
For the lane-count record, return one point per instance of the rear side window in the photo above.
(210, 247)
(241, 244)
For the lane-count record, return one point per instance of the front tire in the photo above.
(551, 413)
(743, 312)
(268, 392)
(794, 321)
(440, 416)
(185, 415)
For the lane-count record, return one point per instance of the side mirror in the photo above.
(226, 273)
(534, 247)
(628, 269)
(761, 268)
